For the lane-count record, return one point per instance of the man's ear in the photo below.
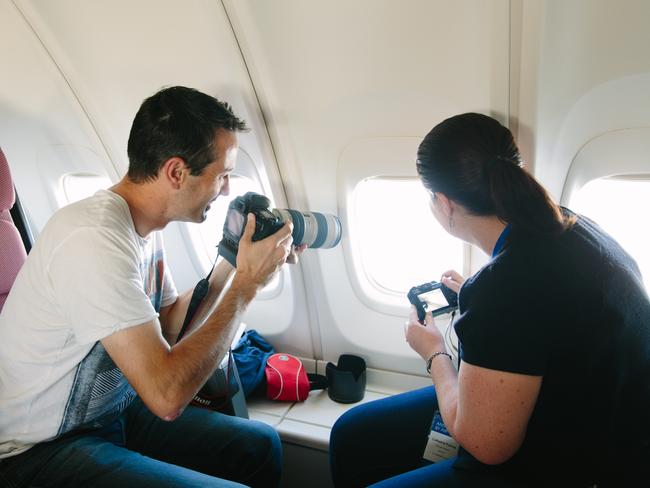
(174, 171)
(446, 204)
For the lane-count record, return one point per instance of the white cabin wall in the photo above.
(44, 131)
(333, 83)
(101, 60)
(593, 77)
(527, 22)
(331, 76)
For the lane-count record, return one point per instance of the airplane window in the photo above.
(207, 235)
(618, 205)
(400, 243)
(77, 186)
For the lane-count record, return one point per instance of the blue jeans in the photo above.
(199, 449)
(382, 442)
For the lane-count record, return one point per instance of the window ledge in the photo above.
(309, 423)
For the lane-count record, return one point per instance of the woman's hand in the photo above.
(423, 339)
(452, 280)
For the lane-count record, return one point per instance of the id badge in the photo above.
(440, 445)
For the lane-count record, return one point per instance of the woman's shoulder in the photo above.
(524, 275)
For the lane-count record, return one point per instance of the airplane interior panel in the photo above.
(349, 111)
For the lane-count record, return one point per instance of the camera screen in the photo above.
(433, 299)
(235, 223)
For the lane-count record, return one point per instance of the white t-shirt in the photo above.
(88, 275)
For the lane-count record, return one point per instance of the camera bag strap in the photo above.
(218, 389)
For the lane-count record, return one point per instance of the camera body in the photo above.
(266, 223)
(312, 228)
(432, 296)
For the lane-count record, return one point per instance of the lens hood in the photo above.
(347, 380)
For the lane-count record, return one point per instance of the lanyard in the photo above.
(501, 240)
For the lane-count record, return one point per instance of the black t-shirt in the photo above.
(574, 310)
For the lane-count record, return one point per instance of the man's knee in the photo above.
(262, 454)
(262, 439)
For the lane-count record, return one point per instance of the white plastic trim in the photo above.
(615, 153)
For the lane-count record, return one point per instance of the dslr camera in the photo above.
(315, 229)
(433, 296)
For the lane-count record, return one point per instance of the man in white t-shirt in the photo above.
(94, 389)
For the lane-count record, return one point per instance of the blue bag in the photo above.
(250, 356)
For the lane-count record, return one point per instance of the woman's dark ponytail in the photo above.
(474, 160)
(520, 200)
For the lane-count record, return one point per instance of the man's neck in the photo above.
(147, 205)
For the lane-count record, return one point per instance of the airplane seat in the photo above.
(12, 250)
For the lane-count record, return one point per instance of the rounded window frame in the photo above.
(63, 195)
(620, 154)
(362, 160)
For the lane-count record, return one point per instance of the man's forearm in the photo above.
(172, 320)
(193, 359)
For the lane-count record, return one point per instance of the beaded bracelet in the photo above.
(433, 356)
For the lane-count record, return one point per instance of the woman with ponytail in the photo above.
(552, 384)
(472, 161)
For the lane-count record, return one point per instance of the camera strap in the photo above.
(200, 291)
(205, 397)
(198, 295)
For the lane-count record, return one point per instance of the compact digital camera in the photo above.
(433, 296)
(315, 229)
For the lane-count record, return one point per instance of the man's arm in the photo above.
(172, 316)
(167, 377)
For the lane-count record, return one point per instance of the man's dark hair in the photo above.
(177, 122)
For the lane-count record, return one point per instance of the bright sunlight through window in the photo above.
(399, 241)
(618, 205)
(77, 186)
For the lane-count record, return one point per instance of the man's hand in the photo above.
(423, 339)
(257, 262)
